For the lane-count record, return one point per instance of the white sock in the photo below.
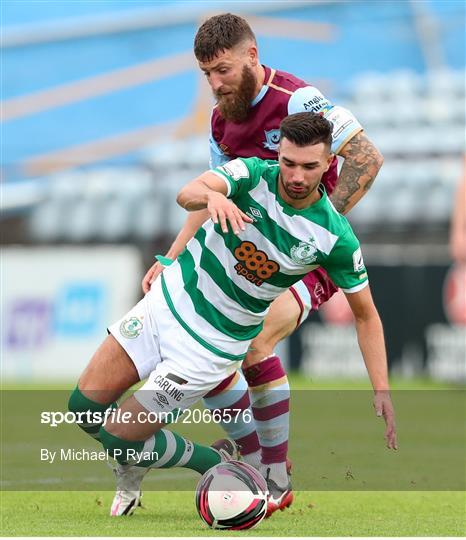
(253, 459)
(276, 472)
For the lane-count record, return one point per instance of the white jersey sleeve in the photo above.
(345, 125)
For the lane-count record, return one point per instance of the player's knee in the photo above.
(259, 349)
(263, 346)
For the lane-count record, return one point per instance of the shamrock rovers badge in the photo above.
(304, 253)
(131, 328)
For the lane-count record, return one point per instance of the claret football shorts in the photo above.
(312, 291)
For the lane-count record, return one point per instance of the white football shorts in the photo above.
(179, 370)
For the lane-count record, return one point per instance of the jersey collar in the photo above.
(264, 88)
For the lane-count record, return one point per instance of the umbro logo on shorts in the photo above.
(162, 399)
(171, 390)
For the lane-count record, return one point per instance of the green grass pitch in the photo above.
(322, 452)
(173, 514)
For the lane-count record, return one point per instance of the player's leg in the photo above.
(230, 401)
(268, 383)
(270, 393)
(136, 438)
(187, 373)
(136, 435)
(112, 370)
(109, 373)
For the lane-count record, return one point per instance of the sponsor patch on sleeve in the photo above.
(345, 126)
(236, 169)
(358, 261)
(309, 99)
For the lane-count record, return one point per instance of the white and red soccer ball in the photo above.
(232, 495)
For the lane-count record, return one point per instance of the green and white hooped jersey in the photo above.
(220, 287)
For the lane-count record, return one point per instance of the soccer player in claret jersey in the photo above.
(201, 315)
(252, 99)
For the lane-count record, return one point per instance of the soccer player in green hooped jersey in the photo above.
(271, 223)
(251, 100)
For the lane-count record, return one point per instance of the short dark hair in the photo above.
(306, 128)
(220, 33)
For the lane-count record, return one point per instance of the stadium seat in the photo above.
(147, 220)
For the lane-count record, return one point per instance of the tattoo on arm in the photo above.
(358, 172)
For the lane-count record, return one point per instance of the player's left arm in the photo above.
(372, 344)
(362, 162)
(362, 159)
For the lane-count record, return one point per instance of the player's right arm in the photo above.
(193, 222)
(210, 191)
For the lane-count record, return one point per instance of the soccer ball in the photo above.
(232, 495)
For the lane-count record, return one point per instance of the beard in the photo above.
(236, 106)
(293, 194)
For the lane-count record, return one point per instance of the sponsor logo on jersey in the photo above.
(342, 120)
(272, 138)
(254, 265)
(236, 169)
(304, 253)
(168, 388)
(255, 212)
(318, 104)
(340, 130)
(358, 261)
(131, 328)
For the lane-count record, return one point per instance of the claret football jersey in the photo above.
(282, 94)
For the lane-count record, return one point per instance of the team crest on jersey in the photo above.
(272, 138)
(131, 328)
(305, 252)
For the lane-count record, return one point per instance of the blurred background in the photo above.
(105, 115)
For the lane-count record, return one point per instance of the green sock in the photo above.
(80, 404)
(164, 450)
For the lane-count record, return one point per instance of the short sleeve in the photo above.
(345, 125)
(345, 264)
(217, 157)
(240, 175)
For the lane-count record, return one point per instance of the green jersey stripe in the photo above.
(208, 311)
(213, 267)
(208, 346)
(214, 294)
(216, 242)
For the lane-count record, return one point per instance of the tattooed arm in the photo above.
(358, 172)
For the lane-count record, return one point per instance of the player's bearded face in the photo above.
(234, 103)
